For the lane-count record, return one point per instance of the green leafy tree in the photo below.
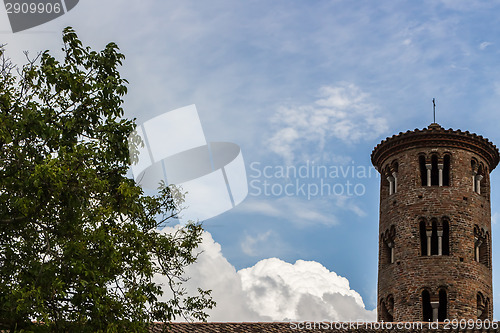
(79, 241)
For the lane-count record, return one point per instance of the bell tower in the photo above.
(435, 225)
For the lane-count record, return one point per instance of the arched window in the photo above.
(434, 307)
(486, 312)
(383, 311)
(481, 246)
(483, 307)
(477, 175)
(434, 171)
(423, 238)
(390, 308)
(390, 180)
(426, 306)
(484, 250)
(387, 243)
(384, 183)
(443, 306)
(423, 170)
(434, 237)
(387, 309)
(446, 170)
(386, 252)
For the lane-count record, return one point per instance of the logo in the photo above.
(26, 14)
(212, 174)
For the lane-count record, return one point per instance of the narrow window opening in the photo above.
(486, 312)
(383, 311)
(481, 246)
(394, 173)
(443, 305)
(434, 238)
(386, 310)
(483, 251)
(482, 307)
(446, 170)
(387, 252)
(387, 240)
(384, 183)
(423, 170)
(423, 239)
(388, 181)
(478, 178)
(434, 171)
(390, 309)
(426, 306)
(474, 167)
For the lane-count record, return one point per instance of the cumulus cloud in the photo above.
(305, 290)
(342, 112)
(213, 272)
(273, 290)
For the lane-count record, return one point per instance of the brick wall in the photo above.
(458, 274)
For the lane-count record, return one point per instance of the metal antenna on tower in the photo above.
(434, 104)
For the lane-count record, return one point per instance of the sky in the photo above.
(298, 86)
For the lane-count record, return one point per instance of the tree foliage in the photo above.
(79, 241)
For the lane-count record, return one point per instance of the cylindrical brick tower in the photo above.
(435, 225)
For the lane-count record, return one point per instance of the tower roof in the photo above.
(435, 136)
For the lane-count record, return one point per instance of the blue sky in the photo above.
(298, 83)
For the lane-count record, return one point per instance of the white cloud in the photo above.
(272, 290)
(305, 290)
(484, 45)
(251, 244)
(407, 42)
(212, 271)
(495, 217)
(300, 212)
(342, 112)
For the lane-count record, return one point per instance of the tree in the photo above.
(79, 241)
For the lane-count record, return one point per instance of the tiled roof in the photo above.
(225, 327)
(282, 327)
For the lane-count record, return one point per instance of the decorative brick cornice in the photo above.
(435, 136)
